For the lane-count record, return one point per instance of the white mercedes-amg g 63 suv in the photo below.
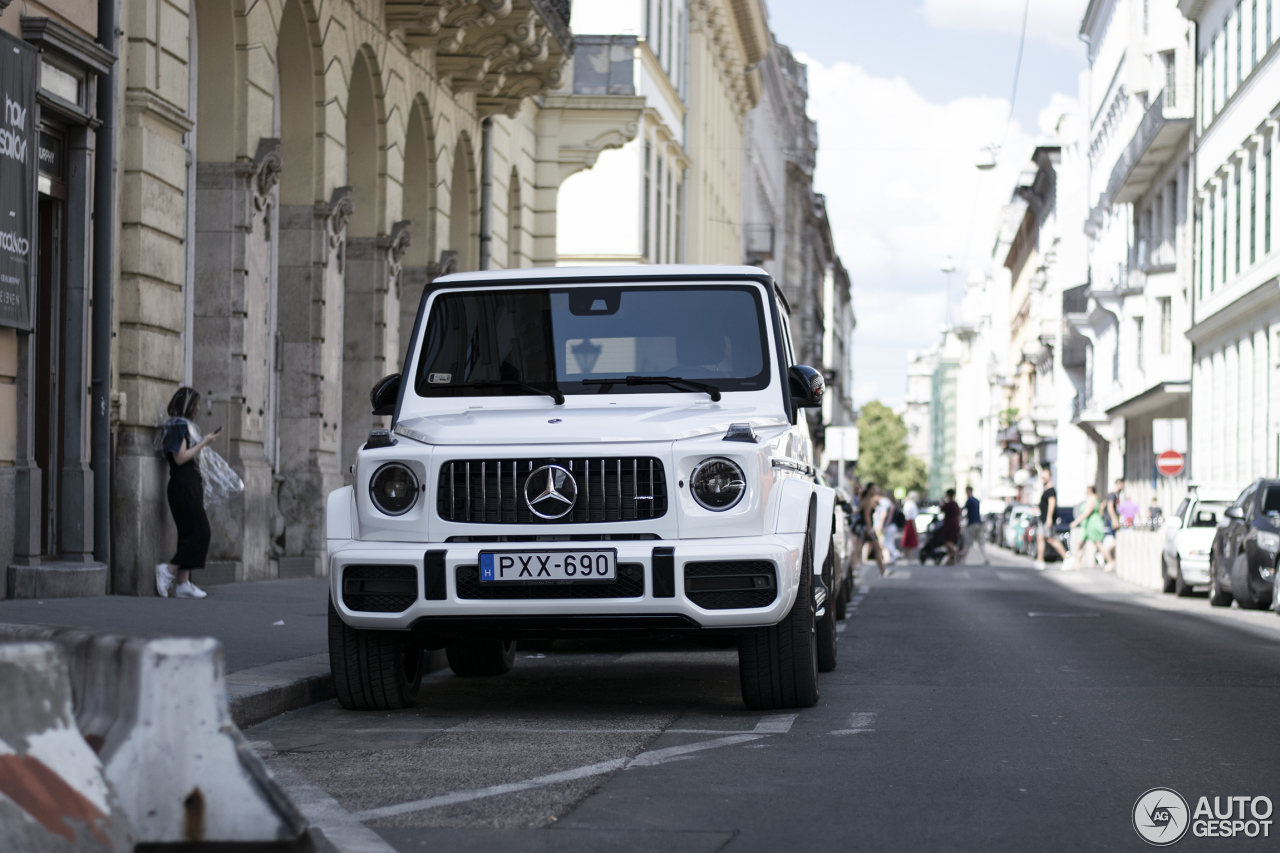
(588, 452)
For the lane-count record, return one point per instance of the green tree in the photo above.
(882, 451)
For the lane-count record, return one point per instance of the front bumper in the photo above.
(1195, 571)
(678, 612)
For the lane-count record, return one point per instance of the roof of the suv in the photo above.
(630, 272)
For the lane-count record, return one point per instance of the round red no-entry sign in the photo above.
(1171, 463)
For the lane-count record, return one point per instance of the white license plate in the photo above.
(533, 566)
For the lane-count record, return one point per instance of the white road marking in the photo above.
(343, 830)
(858, 723)
(644, 759)
(778, 724)
(1063, 615)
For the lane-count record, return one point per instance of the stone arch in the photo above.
(301, 88)
(365, 147)
(464, 206)
(515, 221)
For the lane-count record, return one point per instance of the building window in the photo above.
(680, 223)
(670, 259)
(1266, 200)
(1138, 341)
(1170, 78)
(1253, 39)
(1213, 248)
(1225, 218)
(1238, 208)
(648, 156)
(1166, 324)
(1239, 44)
(1268, 24)
(657, 212)
(1213, 80)
(1253, 209)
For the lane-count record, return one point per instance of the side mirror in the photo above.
(385, 393)
(1234, 512)
(807, 386)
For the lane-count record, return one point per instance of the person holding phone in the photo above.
(182, 444)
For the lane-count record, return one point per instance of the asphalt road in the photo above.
(976, 708)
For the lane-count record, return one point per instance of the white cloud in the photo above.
(903, 193)
(1055, 21)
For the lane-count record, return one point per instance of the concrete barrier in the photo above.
(1138, 555)
(156, 711)
(54, 794)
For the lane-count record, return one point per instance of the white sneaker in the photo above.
(189, 590)
(1039, 565)
(164, 580)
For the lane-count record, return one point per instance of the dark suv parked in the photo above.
(1242, 563)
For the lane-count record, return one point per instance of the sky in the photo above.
(906, 94)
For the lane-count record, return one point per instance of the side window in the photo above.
(1271, 501)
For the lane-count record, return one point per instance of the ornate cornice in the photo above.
(727, 52)
(502, 50)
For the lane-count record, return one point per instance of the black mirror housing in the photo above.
(385, 394)
(807, 386)
(1234, 512)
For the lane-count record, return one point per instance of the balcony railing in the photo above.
(1154, 144)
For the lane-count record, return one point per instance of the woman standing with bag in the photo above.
(181, 445)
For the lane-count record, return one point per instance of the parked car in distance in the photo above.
(1015, 526)
(1242, 560)
(1188, 540)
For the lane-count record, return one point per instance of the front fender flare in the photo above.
(823, 525)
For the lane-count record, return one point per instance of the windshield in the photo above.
(556, 338)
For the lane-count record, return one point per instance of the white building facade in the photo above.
(1235, 389)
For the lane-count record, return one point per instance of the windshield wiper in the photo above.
(674, 381)
(554, 393)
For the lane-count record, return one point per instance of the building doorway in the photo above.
(50, 346)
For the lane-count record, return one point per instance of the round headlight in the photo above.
(717, 484)
(394, 489)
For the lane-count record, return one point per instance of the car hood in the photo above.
(582, 425)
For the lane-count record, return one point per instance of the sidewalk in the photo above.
(271, 668)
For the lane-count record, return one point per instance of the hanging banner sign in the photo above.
(19, 67)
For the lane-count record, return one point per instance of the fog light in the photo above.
(1267, 573)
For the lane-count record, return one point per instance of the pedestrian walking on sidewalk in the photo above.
(951, 526)
(974, 531)
(182, 444)
(1092, 529)
(1048, 514)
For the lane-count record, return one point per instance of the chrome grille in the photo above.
(491, 491)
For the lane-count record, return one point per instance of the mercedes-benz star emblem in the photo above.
(550, 492)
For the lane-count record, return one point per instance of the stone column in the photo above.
(233, 350)
(371, 331)
(311, 267)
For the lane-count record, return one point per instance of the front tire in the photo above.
(1180, 587)
(373, 670)
(481, 657)
(826, 628)
(778, 665)
(1240, 588)
(1167, 583)
(1217, 598)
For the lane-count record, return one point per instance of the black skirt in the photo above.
(186, 502)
